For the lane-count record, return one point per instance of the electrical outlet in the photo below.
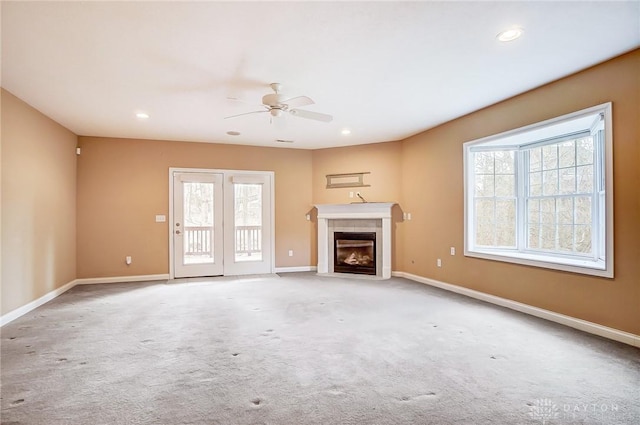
(439, 262)
(453, 250)
(408, 216)
(291, 253)
(308, 217)
(350, 194)
(127, 260)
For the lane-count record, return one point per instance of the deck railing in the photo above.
(248, 239)
(198, 240)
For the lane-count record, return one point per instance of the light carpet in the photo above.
(304, 349)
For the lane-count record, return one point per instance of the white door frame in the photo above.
(225, 174)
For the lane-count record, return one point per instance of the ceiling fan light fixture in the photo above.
(276, 112)
(510, 34)
(345, 132)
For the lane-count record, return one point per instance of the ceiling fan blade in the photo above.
(246, 113)
(297, 102)
(235, 99)
(311, 115)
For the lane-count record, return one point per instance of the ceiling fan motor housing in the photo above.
(273, 99)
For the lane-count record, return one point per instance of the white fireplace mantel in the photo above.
(354, 212)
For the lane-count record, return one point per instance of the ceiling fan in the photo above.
(277, 105)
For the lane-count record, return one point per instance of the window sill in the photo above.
(586, 266)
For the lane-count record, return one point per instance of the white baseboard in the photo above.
(120, 279)
(296, 269)
(21, 311)
(583, 325)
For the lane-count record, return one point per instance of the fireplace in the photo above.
(354, 252)
(372, 219)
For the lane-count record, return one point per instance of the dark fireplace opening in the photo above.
(354, 252)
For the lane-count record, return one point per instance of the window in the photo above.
(542, 195)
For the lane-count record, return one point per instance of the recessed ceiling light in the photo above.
(346, 131)
(510, 34)
(142, 115)
(233, 133)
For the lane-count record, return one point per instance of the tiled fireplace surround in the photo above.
(359, 217)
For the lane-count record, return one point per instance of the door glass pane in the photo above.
(248, 221)
(198, 223)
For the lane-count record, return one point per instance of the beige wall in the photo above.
(123, 184)
(433, 192)
(383, 161)
(38, 204)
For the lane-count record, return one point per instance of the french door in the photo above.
(221, 223)
(247, 236)
(197, 224)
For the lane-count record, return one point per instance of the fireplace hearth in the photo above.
(355, 252)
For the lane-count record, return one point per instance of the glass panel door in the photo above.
(197, 227)
(248, 213)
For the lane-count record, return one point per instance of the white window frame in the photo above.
(601, 264)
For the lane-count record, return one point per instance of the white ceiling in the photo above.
(384, 70)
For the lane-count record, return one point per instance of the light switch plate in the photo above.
(161, 218)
